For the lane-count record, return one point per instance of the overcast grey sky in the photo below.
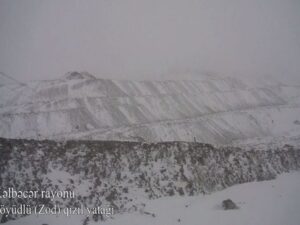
(142, 39)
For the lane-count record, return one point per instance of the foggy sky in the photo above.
(150, 39)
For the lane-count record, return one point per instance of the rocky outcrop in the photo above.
(228, 204)
(124, 174)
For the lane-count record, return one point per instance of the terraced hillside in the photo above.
(211, 110)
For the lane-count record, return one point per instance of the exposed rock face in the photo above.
(212, 110)
(124, 174)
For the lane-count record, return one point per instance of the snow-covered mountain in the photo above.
(127, 175)
(7, 80)
(211, 110)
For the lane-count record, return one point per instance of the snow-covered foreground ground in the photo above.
(275, 202)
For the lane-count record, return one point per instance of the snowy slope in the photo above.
(125, 175)
(211, 110)
(274, 202)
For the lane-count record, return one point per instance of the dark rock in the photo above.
(4, 219)
(229, 204)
